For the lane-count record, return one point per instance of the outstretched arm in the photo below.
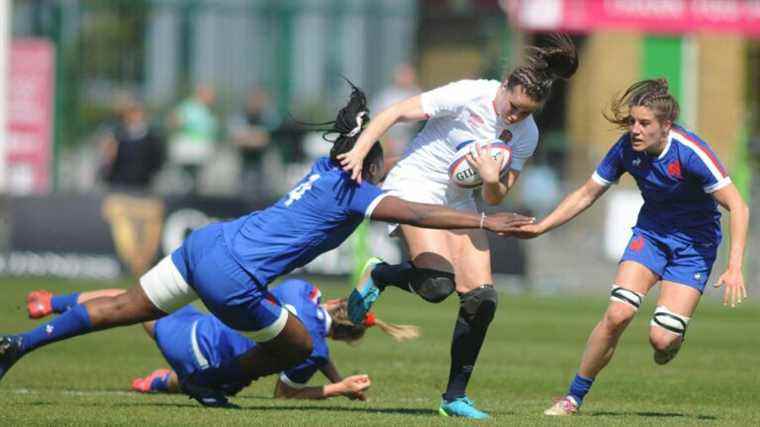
(330, 371)
(352, 387)
(570, 207)
(730, 199)
(394, 209)
(409, 110)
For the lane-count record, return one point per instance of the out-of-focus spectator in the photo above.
(251, 131)
(132, 151)
(403, 86)
(194, 133)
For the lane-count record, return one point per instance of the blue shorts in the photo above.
(229, 292)
(174, 337)
(178, 336)
(673, 260)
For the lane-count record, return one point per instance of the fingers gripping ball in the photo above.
(464, 175)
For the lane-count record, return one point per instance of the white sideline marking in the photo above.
(77, 392)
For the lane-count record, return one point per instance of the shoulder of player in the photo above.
(690, 146)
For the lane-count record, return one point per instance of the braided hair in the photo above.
(652, 93)
(544, 65)
(347, 127)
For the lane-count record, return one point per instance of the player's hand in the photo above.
(487, 166)
(734, 291)
(352, 163)
(505, 223)
(355, 386)
(529, 231)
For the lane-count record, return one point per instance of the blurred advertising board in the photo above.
(107, 236)
(656, 16)
(102, 236)
(30, 116)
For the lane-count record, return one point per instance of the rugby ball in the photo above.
(465, 176)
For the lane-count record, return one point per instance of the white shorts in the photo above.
(166, 288)
(408, 183)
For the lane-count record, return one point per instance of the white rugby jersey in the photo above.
(459, 112)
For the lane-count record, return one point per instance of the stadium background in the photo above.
(61, 221)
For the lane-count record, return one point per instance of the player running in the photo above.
(202, 351)
(444, 261)
(228, 265)
(675, 239)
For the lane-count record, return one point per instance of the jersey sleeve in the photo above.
(449, 99)
(523, 148)
(364, 198)
(703, 164)
(611, 167)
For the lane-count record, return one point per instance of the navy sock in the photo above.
(579, 387)
(74, 322)
(61, 303)
(160, 383)
(398, 275)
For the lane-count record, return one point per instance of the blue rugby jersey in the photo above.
(321, 211)
(676, 185)
(215, 344)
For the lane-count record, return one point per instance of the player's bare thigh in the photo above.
(635, 277)
(466, 253)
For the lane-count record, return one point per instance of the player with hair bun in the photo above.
(676, 237)
(444, 261)
(201, 350)
(229, 265)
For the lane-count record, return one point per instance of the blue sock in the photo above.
(160, 383)
(74, 322)
(579, 387)
(61, 303)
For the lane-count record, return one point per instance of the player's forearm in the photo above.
(377, 128)
(739, 224)
(323, 392)
(435, 216)
(577, 202)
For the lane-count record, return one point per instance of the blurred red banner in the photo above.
(656, 16)
(30, 116)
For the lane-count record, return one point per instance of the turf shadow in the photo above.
(650, 415)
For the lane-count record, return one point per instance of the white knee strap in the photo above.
(671, 322)
(626, 296)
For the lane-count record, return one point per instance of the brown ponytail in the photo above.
(543, 65)
(652, 94)
(344, 330)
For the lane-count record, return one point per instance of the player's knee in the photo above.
(478, 306)
(667, 325)
(433, 285)
(663, 341)
(617, 318)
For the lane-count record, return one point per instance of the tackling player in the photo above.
(202, 351)
(675, 239)
(228, 265)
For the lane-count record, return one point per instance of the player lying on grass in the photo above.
(228, 265)
(676, 237)
(201, 350)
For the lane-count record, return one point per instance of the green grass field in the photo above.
(533, 349)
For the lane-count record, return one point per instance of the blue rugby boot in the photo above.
(461, 407)
(10, 352)
(365, 294)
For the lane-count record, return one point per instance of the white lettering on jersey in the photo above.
(298, 192)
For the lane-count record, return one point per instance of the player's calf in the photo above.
(667, 330)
